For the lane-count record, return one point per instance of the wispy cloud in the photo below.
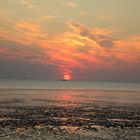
(28, 4)
(69, 3)
(79, 47)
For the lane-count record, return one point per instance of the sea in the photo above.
(121, 92)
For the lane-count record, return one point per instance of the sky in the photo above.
(86, 39)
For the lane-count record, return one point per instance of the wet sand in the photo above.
(67, 119)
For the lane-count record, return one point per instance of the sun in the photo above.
(67, 77)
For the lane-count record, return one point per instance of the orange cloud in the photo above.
(31, 30)
(89, 47)
(24, 33)
(79, 47)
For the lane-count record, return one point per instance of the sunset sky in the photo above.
(86, 39)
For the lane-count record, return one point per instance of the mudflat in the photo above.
(67, 119)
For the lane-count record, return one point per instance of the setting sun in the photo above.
(66, 78)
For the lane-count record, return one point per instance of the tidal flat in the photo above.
(65, 118)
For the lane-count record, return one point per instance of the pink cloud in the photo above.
(79, 47)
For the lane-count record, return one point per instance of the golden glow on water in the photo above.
(66, 97)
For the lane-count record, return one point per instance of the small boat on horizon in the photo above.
(64, 80)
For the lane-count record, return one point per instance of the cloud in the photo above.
(2, 50)
(28, 4)
(3, 13)
(96, 49)
(69, 3)
(23, 43)
(24, 33)
(97, 35)
(29, 29)
(80, 47)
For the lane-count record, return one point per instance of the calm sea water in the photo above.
(38, 84)
(39, 92)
